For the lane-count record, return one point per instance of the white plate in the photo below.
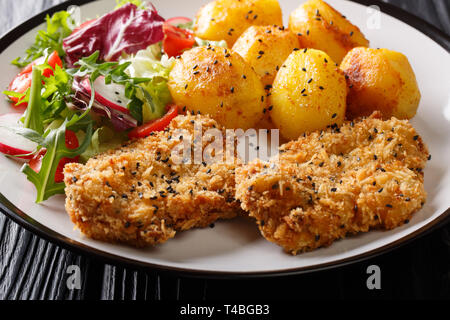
(236, 247)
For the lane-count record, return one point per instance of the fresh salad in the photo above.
(84, 88)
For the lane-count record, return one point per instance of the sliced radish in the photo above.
(11, 143)
(176, 21)
(111, 95)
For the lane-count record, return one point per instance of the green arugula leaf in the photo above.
(33, 119)
(50, 39)
(55, 145)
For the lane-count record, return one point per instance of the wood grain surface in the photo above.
(32, 268)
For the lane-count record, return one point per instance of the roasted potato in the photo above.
(265, 48)
(308, 94)
(218, 82)
(228, 19)
(320, 26)
(380, 79)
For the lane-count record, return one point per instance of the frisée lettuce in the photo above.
(153, 65)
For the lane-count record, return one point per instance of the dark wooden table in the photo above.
(32, 268)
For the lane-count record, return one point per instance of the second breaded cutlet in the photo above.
(138, 195)
(366, 174)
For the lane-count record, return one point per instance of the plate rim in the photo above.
(25, 221)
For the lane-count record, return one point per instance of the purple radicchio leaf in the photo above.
(124, 30)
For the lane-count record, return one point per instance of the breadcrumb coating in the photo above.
(323, 186)
(137, 194)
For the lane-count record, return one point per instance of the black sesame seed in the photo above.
(333, 189)
(389, 205)
(333, 116)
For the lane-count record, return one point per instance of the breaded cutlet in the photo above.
(325, 185)
(137, 194)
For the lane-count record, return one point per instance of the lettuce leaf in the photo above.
(103, 139)
(138, 3)
(51, 39)
(202, 43)
(154, 94)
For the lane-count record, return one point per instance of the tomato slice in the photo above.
(176, 40)
(53, 60)
(155, 125)
(71, 143)
(22, 81)
(20, 84)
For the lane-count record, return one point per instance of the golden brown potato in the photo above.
(380, 79)
(320, 26)
(308, 94)
(228, 19)
(218, 82)
(265, 48)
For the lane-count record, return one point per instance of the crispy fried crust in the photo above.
(138, 195)
(363, 175)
